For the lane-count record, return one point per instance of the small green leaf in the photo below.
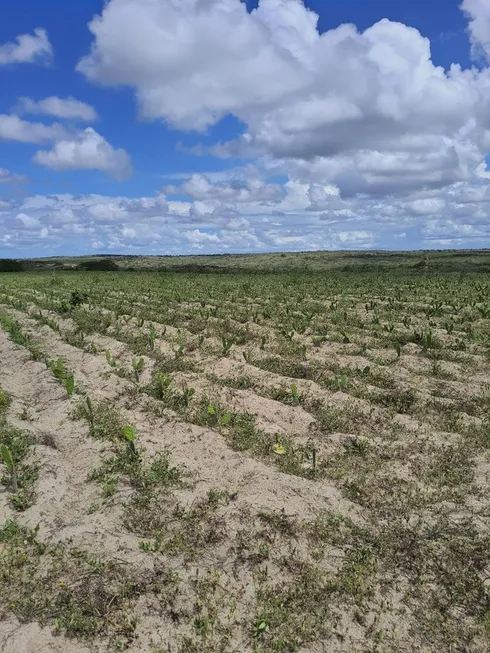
(7, 457)
(279, 449)
(129, 432)
(70, 385)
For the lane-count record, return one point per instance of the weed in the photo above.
(105, 421)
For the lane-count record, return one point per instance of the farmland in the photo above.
(282, 454)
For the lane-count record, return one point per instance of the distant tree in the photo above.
(10, 265)
(103, 265)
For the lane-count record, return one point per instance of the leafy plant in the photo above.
(109, 358)
(345, 337)
(187, 393)
(129, 434)
(152, 336)
(77, 298)
(70, 384)
(179, 352)
(138, 366)
(227, 345)
(341, 383)
(162, 384)
(86, 410)
(8, 460)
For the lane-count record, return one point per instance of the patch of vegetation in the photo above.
(380, 336)
(17, 466)
(104, 419)
(73, 591)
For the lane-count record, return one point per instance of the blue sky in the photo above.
(191, 126)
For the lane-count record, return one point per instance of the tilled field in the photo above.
(244, 462)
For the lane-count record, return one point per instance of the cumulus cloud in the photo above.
(27, 48)
(457, 215)
(478, 12)
(428, 206)
(58, 107)
(13, 128)
(86, 150)
(367, 111)
(358, 140)
(245, 185)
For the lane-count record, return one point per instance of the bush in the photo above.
(101, 265)
(10, 265)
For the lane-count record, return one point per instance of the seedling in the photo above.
(58, 369)
(8, 459)
(449, 326)
(217, 417)
(152, 336)
(129, 434)
(345, 338)
(109, 358)
(227, 345)
(70, 385)
(138, 366)
(187, 394)
(4, 400)
(313, 459)
(278, 447)
(484, 311)
(295, 396)
(247, 356)
(341, 383)
(87, 412)
(260, 627)
(427, 339)
(179, 352)
(162, 382)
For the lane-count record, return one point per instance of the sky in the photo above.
(221, 126)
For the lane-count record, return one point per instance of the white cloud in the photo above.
(457, 215)
(478, 12)
(27, 48)
(358, 140)
(7, 177)
(429, 206)
(245, 185)
(28, 221)
(58, 107)
(14, 128)
(366, 111)
(86, 150)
